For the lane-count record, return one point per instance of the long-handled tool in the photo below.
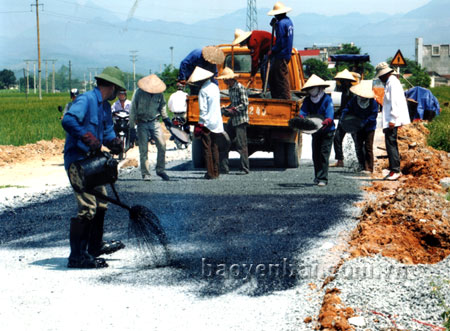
(268, 62)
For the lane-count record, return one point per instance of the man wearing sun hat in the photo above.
(395, 114)
(89, 125)
(259, 43)
(318, 103)
(147, 108)
(364, 109)
(281, 52)
(207, 58)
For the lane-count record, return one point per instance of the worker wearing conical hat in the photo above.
(259, 43)
(320, 104)
(281, 52)
(207, 58)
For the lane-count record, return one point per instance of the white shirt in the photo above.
(177, 102)
(117, 106)
(395, 108)
(209, 104)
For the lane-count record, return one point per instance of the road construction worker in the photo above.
(236, 127)
(207, 58)
(395, 114)
(281, 52)
(319, 103)
(344, 81)
(259, 43)
(363, 107)
(89, 125)
(147, 107)
(210, 125)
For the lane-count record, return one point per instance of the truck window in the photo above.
(242, 62)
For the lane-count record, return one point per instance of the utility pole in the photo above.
(46, 76)
(252, 18)
(171, 56)
(90, 75)
(53, 77)
(38, 47)
(28, 75)
(70, 75)
(133, 59)
(34, 76)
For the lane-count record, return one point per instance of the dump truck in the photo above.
(268, 128)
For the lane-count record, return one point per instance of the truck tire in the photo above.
(279, 155)
(294, 152)
(198, 159)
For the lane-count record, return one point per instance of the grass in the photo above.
(437, 293)
(439, 137)
(10, 186)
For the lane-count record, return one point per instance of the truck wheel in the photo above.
(294, 152)
(198, 159)
(279, 155)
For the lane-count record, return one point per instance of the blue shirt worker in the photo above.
(364, 109)
(319, 103)
(206, 58)
(89, 125)
(281, 52)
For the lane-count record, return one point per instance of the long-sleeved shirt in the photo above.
(209, 104)
(117, 106)
(368, 115)
(284, 31)
(192, 60)
(147, 107)
(177, 102)
(88, 113)
(395, 108)
(259, 45)
(324, 108)
(239, 100)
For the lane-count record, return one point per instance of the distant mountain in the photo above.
(92, 37)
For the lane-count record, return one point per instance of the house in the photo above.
(435, 58)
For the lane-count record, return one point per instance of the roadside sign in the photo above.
(398, 60)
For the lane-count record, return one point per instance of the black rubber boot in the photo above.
(79, 237)
(96, 245)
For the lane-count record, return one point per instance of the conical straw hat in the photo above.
(227, 73)
(382, 69)
(314, 81)
(213, 54)
(363, 89)
(279, 8)
(345, 74)
(199, 74)
(240, 36)
(151, 84)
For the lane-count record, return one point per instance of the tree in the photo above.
(169, 76)
(417, 75)
(7, 79)
(317, 67)
(349, 49)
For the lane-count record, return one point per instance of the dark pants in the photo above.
(364, 148)
(321, 150)
(211, 151)
(337, 141)
(279, 79)
(390, 139)
(238, 137)
(263, 70)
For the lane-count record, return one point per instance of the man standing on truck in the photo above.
(210, 124)
(147, 107)
(259, 43)
(238, 122)
(207, 58)
(281, 52)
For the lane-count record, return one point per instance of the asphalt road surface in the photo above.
(246, 251)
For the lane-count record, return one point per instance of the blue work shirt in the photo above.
(368, 116)
(192, 60)
(324, 108)
(284, 31)
(89, 113)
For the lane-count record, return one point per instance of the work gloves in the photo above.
(91, 141)
(115, 146)
(198, 129)
(327, 122)
(167, 123)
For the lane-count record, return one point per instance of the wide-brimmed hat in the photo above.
(113, 75)
(151, 84)
(279, 8)
(213, 54)
(382, 69)
(227, 73)
(345, 74)
(314, 81)
(363, 89)
(240, 36)
(199, 74)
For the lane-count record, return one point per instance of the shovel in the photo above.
(268, 64)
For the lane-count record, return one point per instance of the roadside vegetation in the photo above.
(439, 136)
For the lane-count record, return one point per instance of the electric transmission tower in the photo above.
(252, 19)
